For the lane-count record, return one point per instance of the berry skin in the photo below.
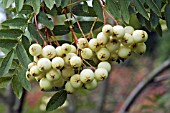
(75, 81)
(35, 49)
(76, 62)
(68, 57)
(82, 43)
(102, 39)
(44, 64)
(29, 76)
(127, 40)
(107, 30)
(86, 75)
(69, 88)
(67, 73)
(129, 29)
(37, 58)
(103, 54)
(59, 52)
(40, 76)
(49, 52)
(92, 85)
(30, 65)
(140, 48)
(58, 83)
(45, 84)
(100, 74)
(66, 48)
(53, 74)
(105, 65)
(93, 45)
(124, 52)
(34, 71)
(113, 45)
(118, 31)
(114, 56)
(139, 36)
(73, 49)
(86, 53)
(57, 63)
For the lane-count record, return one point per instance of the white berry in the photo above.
(107, 30)
(86, 75)
(35, 49)
(124, 52)
(118, 31)
(53, 74)
(67, 73)
(45, 84)
(66, 48)
(69, 88)
(105, 65)
(75, 81)
(57, 63)
(129, 29)
(102, 39)
(82, 43)
(91, 85)
(93, 44)
(44, 64)
(100, 74)
(49, 52)
(103, 54)
(86, 53)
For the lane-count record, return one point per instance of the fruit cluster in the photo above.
(70, 66)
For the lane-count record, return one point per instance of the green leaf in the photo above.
(140, 8)
(58, 2)
(154, 19)
(22, 55)
(158, 30)
(86, 26)
(17, 86)
(19, 4)
(10, 33)
(7, 43)
(27, 9)
(124, 10)
(167, 16)
(34, 34)
(7, 3)
(52, 12)
(49, 3)
(85, 7)
(57, 100)
(78, 10)
(36, 5)
(15, 22)
(4, 81)
(98, 9)
(153, 7)
(60, 30)
(22, 78)
(43, 18)
(64, 3)
(6, 63)
(26, 43)
(113, 7)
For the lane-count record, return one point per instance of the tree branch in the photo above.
(142, 85)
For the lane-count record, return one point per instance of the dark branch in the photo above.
(142, 85)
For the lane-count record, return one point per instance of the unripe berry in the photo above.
(127, 39)
(124, 52)
(58, 83)
(139, 36)
(59, 52)
(68, 57)
(100, 74)
(105, 65)
(102, 39)
(75, 81)
(76, 62)
(107, 30)
(40, 76)
(35, 49)
(91, 85)
(67, 73)
(140, 48)
(37, 58)
(73, 49)
(66, 48)
(86, 75)
(93, 44)
(34, 71)
(53, 74)
(69, 88)
(114, 56)
(113, 45)
(57, 63)
(49, 52)
(103, 54)
(118, 31)
(45, 84)
(44, 64)
(86, 53)
(30, 65)
(129, 29)
(82, 43)
(29, 76)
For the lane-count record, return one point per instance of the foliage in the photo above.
(22, 29)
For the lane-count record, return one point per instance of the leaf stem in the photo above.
(56, 41)
(92, 28)
(116, 22)
(94, 68)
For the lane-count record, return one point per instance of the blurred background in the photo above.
(110, 95)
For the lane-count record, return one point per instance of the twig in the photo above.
(111, 17)
(161, 78)
(142, 85)
(89, 64)
(47, 35)
(36, 24)
(92, 28)
(103, 9)
(56, 41)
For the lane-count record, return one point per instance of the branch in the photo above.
(142, 85)
(161, 78)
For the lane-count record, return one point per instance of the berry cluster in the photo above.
(66, 65)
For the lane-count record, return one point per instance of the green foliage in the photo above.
(4, 81)
(15, 22)
(17, 86)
